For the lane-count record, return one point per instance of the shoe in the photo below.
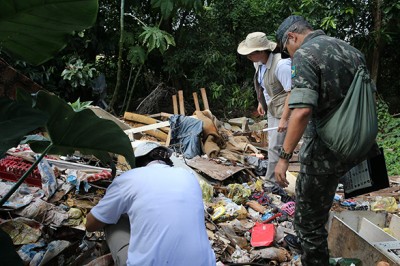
(293, 242)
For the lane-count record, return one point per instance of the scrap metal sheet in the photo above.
(213, 169)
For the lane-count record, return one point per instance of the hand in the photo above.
(282, 125)
(260, 110)
(280, 172)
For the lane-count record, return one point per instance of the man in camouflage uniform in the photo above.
(322, 71)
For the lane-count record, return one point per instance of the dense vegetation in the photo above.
(189, 44)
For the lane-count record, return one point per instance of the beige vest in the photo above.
(274, 89)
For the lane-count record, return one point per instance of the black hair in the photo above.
(157, 154)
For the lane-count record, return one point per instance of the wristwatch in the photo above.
(284, 155)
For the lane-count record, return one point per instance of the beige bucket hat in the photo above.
(255, 41)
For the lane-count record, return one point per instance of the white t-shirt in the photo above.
(166, 213)
(282, 73)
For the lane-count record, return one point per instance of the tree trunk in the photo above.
(133, 88)
(121, 38)
(377, 13)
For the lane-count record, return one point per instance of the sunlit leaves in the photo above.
(328, 22)
(154, 38)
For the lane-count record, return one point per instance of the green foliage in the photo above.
(78, 73)
(242, 99)
(137, 55)
(154, 38)
(168, 6)
(39, 74)
(36, 30)
(389, 137)
(17, 120)
(79, 106)
(237, 100)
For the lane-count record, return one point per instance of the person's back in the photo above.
(166, 216)
(335, 62)
(165, 210)
(327, 66)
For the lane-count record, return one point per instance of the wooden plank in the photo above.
(175, 104)
(147, 127)
(162, 114)
(181, 102)
(204, 98)
(143, 119)
(196, 101)
(168, 141)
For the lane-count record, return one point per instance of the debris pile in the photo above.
(248, 220)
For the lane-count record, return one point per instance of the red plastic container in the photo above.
(262, 235)
(12, 168)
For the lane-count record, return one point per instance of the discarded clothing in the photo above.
(186, 132)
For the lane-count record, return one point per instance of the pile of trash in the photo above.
(248, 220)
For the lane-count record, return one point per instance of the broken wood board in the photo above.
(212, 169)
(150, 130)
(162, 114)
(344, 242)
(147, 127)
(143, 119)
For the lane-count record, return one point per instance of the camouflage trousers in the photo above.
(314, 197)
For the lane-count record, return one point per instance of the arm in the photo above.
(92, 224)
(260, 110)
(108, 209)
(283, 73)
(283, 122)
(297, 124)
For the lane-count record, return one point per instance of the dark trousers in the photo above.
(314, 197)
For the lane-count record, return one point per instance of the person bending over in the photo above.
(154, 214)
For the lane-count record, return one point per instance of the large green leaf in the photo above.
(17, 120)
(83, 131)
(35, 30)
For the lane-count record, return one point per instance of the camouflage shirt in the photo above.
(323, 69)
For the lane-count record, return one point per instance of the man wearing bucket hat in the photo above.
(154, 214)
(323, 69)
(272, 82)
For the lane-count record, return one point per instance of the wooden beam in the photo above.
(143, 119)
(196, 101)
(162, 114)
(175, 104)
(147, 127)
(181, 102)
(204, 98)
